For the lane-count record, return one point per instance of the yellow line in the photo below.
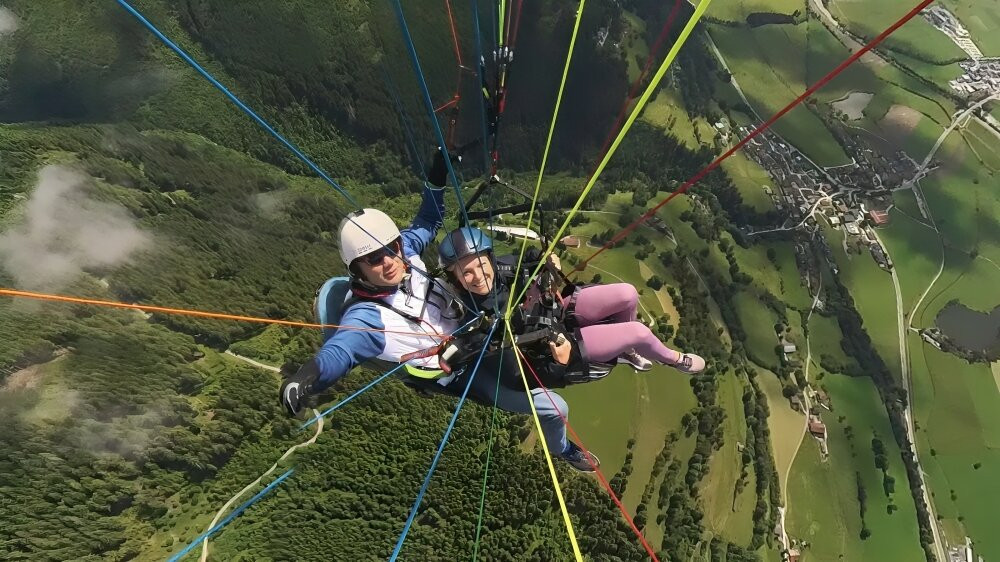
(654, 83)
(545, 154)
(548, 456)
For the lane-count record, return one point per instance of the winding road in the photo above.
(222, 510)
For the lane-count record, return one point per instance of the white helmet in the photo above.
(365, 231)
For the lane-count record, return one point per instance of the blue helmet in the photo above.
(462, 242)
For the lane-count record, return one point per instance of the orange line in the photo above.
(198, 313)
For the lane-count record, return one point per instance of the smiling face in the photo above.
(383, 267)
(475, 273)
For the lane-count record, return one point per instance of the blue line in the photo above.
(371, 384)
(437, 456)
(231, 516)
(429, 105)
(353, 396)
(260, 121)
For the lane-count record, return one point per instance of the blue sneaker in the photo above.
(579, 459)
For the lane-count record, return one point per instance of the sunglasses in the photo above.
(392, 249)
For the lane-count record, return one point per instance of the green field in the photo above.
(786, 424)
(726, 515)
(872, 291)
(981, 19)
(737, 10)
(770, 78)
(636, 49)
(824, 339)
(750, 179)
(668, 112)
(958, 399)
(916, 254)
(868, 19)
(824, 508)
(964, 200)
(759, 321)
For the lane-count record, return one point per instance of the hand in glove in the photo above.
(296, 390)
(437, 175)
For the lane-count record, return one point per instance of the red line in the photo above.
(448, 104)
(760, 129)
(635, 85)
(454, 34)
(597, 471)
(517, 24)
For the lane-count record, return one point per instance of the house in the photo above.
(788, 347)
(793, 555)
(571, 241)
(817, 428)
(852, 228)
(878, 218)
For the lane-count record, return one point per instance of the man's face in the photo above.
(382, 267)
(475, 273)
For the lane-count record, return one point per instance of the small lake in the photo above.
(971, 329)
(853, 105)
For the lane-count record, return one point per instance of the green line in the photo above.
(698, 12)
(503, 11)
(545, 158)
(486, 469)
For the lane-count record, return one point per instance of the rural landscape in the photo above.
(838, 268)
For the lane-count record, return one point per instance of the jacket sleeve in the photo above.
(349, 348)
(429, 219)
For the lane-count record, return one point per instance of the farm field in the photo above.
(828, 516)
(729, 514)
(785, 423)
(737, 10)
(759, 323)
(770, 79)
(916, 254)
(956, 398)
(871, 289)
(750, 179)
(982, 21)
(868, 19)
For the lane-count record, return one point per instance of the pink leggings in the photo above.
(615, 306)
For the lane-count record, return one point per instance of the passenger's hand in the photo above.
(561, 351)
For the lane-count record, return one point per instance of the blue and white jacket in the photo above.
(418, 297)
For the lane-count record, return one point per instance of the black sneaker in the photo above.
(581, 460)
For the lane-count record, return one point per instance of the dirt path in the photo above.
(248, 487)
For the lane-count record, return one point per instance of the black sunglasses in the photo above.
(391, 249)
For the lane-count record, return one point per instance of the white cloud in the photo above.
(64, 231)
(8, 21)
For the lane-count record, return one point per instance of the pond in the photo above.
(853, 105)
(970, 329)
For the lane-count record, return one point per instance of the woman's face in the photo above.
(475, 273)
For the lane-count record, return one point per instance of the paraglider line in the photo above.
(597, 471)
(199, 313)
(239, 103)
(548, 458)
(699, 11)
(371, 384)
(486, 469)
(232, 515)
(444, 441)
(545, 154)
(760, 129)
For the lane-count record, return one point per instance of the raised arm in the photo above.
(347, 349)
